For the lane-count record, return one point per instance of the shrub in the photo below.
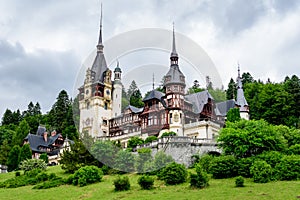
(18, 173)
(173, 174)
(146, 182)
(124, 161)
(87, 175)
(294, 149)
(261, 171)
(200, 179)
(223, 167)
(271, 157)
(144, 155)
(243, 166)
(122, 183)
(239, 181)
(44, 157)
(50, 184)
(150, 139)
(160, 161)
(42, 177)
(205, 162)
(25, 153)
(167, 134)
(30, 164)
(288, 168)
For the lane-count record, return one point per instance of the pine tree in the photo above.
(25, 152)
(21, 132)
(13, 158)
(4, 149)
(7, 117)
(232, 90)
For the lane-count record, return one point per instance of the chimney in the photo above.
(45, 136)
(53, 133)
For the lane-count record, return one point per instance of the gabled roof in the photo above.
(222, 108)
(198, 100)
(36, 141)
(154, 94)
(134, 109)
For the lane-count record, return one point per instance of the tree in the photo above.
(44, 157)
(247, 78)
(4, 149)
(233, 115)
(13, 158)
(248, 138)
(219, 95)
(231, 90)
(25, 152)
(105, 152)
(21, 132)
(124, 161)
(7, 117)
(195, 88)
(144, 155)
(134, 141)
(134, 95)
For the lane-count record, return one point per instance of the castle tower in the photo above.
(174, 84)
(241, 102)
(117, 92)
(95, 96)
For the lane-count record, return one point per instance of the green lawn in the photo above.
(218, 189)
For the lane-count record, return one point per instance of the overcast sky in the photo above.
(44, 43)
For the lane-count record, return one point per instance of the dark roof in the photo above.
(174, 75)
(240, 98)
(134, 109)
(36, 141)
(198, 100)
(99, 67)
(154, 94)
(41, 130)
(222, 108)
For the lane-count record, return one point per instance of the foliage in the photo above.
(105, 152)
(4, 149)
(223, 167)
(200, 179)
(205, 162)
(122, 183)
(134, 141)
(13, 158)
(271, 157)
(44, 157)
(232, 90)
(25, 152)
(31, 164)
(77, 157)
(195, 88)
(124, 161)
(167, 134)
(21, 132)
(294, 149)
(173, 174)
(243, 166)
(239, 181)
(248, 138)
(150, 139)
(87, 175)
(160, 161)
(261, 171)
(50, 184)
(288, 168)
(146, 182)
(134, 95)
(219, 95)
(233, 115)
(144, 155)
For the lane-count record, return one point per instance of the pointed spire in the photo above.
(239, 78)
(100, 44)
(153, 81)
(174, 55)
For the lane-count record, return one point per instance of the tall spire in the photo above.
(239, 78)
(174, 55)
(100, 44)
(153, 81)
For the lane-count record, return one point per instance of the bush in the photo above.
(288, 168)
(18, 173)
(223, 167)
(173, 174)
(205, 162)
(31, 164)
(243, 166)
(146, 182)
(160, 161)
(144, 155)
(124, 161)
(239, 181)
(271, 157)
(87, 175)
(122, 183)
(199, 180)
(294, 149)
(42, 177)
(50, 184)
(261, 171)
(44, 157)
(167, 134)
(150, 139)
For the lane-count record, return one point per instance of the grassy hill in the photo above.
(218, 189)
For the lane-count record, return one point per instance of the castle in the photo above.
(194, 115)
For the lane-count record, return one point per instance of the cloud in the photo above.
(34, 76)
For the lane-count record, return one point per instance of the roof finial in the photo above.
(173, 44)
(239, 75)
(174, 55)
(153, 81)
(100, 45)
(239, 78)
